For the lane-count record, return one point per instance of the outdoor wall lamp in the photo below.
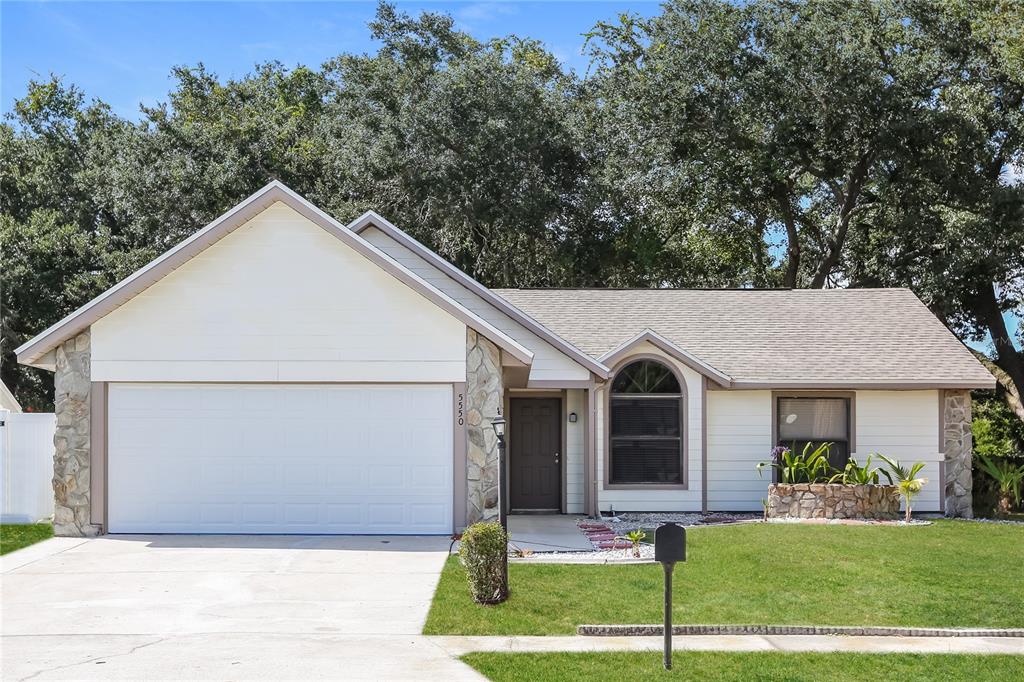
(499, 427)
(572, 417)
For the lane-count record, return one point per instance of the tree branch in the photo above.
(847, 209)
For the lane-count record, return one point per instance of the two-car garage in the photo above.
(279, 458)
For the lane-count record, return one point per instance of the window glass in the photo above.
(813, 418)
(646, 376)
(816, 421)
(645, 425)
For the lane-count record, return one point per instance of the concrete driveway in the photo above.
(223, 607)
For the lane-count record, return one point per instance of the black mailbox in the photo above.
(669, 548)
(670, 543)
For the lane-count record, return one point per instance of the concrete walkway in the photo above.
(223, 607)
(547, 533)
(457, 646)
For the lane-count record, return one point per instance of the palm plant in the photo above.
(810, 466)
(855, 474)
(906, 480)
(1008, 477)
(636, 537)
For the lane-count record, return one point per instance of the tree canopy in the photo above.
(769, 143)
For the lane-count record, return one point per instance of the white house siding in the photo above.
(279, 299)
(549, 363)
(903, 425)
(574, 443)
(739, 436)
(900, 424)
(657, 500)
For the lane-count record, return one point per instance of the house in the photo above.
(7, 400)
(279, 372)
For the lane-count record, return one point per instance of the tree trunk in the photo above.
(847, 207)
(1008, 358)
(1009, 390)
(1004, 504)
(792, 238)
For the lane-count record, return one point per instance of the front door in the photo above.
(535, 457)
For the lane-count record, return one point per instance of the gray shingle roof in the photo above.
(834, 336)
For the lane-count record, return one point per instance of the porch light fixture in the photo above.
(499, 427)
(572, 417)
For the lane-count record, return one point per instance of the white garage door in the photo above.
(217, 458)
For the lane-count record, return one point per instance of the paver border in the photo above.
(849, 630)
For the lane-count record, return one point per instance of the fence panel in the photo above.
(26, 465)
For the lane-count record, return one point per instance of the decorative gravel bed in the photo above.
(607, 533)
(1004, 522)
(623, 523)
(603, 556)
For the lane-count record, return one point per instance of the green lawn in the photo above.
(17, 535)
(746, 667)
(950, 574)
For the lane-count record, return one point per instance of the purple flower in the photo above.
(778, 451)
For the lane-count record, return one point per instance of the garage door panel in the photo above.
(279, 459)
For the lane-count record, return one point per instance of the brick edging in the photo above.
(849, 630)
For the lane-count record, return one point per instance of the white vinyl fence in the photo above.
(26, 466)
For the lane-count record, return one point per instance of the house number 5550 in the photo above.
(461, 407)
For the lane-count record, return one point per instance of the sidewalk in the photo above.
(459, 645)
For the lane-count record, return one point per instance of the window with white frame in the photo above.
(646, 433)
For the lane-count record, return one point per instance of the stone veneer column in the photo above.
(957, 444)
(72, 506)
(484, 393)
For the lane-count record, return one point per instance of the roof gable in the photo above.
(628, 347)
(371, 218)
(36, 348)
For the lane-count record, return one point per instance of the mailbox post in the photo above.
(669, 548)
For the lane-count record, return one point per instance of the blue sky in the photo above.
(122, 52)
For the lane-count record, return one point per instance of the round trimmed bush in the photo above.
(483, 554)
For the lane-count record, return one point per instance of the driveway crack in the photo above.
(131, 651)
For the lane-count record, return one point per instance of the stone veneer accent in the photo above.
(832, 501)
(957, 444)
(484, 393)
(71, 458)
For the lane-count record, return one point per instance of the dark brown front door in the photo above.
(535, 457)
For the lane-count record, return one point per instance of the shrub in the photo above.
(855, 474)
(811, 466)
(1008, 477)
(483, 553)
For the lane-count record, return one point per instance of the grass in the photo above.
(17, 535)
(744, 667)
(950, 574)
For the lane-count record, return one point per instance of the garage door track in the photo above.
(223, 607)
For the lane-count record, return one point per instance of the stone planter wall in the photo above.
(832, 501)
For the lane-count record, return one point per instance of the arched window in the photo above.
(646, 436)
